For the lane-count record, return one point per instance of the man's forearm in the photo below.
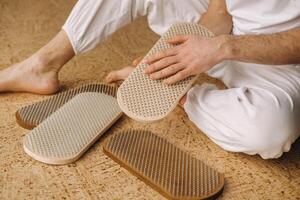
(274, 49)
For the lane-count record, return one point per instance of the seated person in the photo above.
(255, 52)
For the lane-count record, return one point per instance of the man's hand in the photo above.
(192, 55)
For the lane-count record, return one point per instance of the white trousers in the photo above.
(257, 114)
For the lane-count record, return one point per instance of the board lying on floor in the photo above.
(147, 100)
(64, 136)
(169, 170)
(32, 115)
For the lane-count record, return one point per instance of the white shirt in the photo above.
(263, 16)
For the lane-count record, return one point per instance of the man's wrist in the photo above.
(226, 50)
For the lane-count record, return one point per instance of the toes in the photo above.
(125, 72)
(182, 101)
(111, 77)
(137, 61)
(118, 75)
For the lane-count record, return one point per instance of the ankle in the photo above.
(55, 54)
(43, 64)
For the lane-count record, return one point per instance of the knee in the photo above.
(271, 134)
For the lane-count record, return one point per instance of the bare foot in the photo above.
(182, 101)
(39, 73)
(31, 75)
(122, 74)
(118, 75)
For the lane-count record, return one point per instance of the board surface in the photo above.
(148, 100)
(166, 168)
(32, 115)
(64, 136)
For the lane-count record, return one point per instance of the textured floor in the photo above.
(27, 25)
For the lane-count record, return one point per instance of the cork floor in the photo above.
(24, 27)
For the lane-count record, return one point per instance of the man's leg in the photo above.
(39, 72)
(89, 23)
(258, 114)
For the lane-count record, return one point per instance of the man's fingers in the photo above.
(160, 64)
(168, 71)
(178, 39)
(177, 77)
(160, 55)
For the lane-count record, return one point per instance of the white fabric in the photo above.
(91, 21)
(263, 16)
(258, 113)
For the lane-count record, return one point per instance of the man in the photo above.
(259, 64)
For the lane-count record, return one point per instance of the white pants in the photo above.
(258, 112)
